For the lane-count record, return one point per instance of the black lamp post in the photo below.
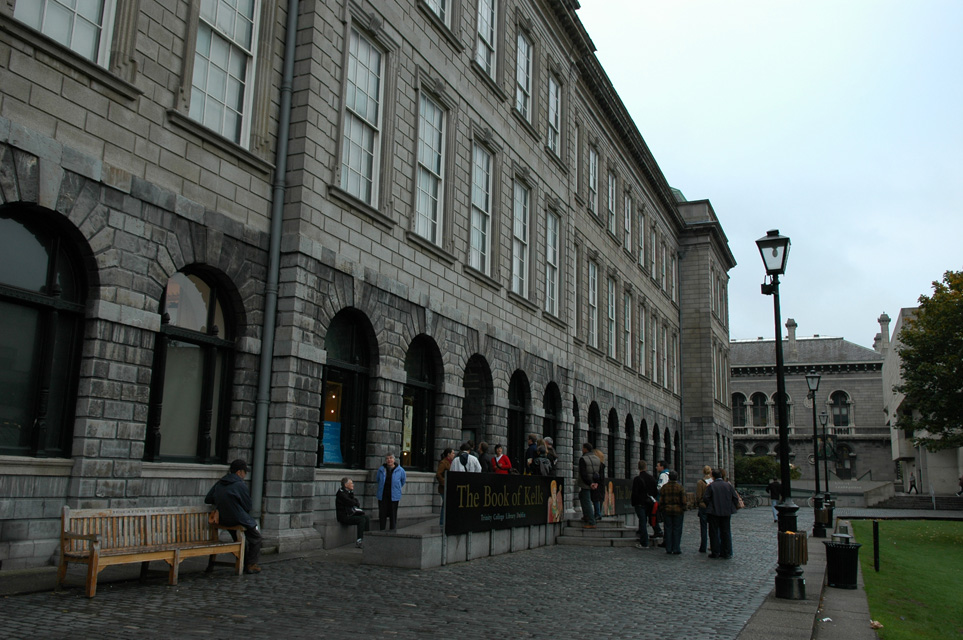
(823, 420)
(819, 527)
(790, 584)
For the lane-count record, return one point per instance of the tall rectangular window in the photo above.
(641, 354)
(487, 26)
(627, 327)
(672, 279)
(641, 237)
(520, 239)
(662, 261)
(593, 178)
(610, 319)
(664, 363)
(523, 76)
(554, 141)
(82, 27)
(222, 86)
(654, 351)
(654, 250)
(481, 209)
(552, 224)
(577, 167)
(627, 224)
(429, 208)
(440, 8)
(362, 124)
(593, 304)
(611, 203)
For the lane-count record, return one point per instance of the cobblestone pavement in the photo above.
(551, 592)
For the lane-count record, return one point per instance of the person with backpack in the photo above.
(465, 461)
(541, 465)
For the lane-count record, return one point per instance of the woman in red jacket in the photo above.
(500, 463)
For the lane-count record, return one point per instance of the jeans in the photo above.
(643, 512)
(703, 529)
(588, 511)
(252, 545)
(721, 536)
(775, 513)
(673, 533)
(361, 521)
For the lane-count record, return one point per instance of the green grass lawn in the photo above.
(918, 592)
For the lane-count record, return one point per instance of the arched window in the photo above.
(760, 450)
(656, 441)
(344, 418)
(519, 406)
(839, 402)
(667, 441)
(631, 456)
(477, 404)
(738, 410)
(42, 295)
(610, 468)
(643, 440)
(595, 424)
(191, 379)
(740, 450)
(552, 406)
(678, 455)
(775, 409)
(418, 429)
(760, 410)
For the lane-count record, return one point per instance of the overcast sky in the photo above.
(838, 122)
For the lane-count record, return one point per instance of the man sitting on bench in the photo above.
(350, 511)
(233, 501)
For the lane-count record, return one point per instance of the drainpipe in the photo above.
(274, 263)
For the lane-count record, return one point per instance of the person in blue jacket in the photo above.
(232, 499)
(391, 476)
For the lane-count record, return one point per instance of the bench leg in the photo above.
(175, 566)
(93, 571)
(143, 569)
(61, 573)
(210, 563)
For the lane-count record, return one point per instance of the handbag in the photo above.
(741, 504)
(214, 517)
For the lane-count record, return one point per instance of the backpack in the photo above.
(542, 467)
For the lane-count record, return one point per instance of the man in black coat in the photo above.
(644, 494)
(721, 502)
(233, 501)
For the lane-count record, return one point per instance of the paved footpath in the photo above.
(551, 592)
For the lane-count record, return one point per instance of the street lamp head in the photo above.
(774, 249)
(823, 418)
(812, 379)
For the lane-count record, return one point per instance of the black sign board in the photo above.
(485, 501)
(618, 497)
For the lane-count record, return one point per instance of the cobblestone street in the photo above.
(552, 592)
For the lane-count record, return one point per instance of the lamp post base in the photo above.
(791, 588)
(819, 518)
(790, 583)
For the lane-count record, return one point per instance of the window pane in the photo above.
(182, 399)
(23, 257)
(18, 373)
(187, 301)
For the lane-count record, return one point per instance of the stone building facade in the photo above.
(850, 393)
(309, 233)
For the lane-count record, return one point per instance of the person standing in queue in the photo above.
(391, 479)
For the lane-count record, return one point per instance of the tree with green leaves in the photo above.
(932, 367)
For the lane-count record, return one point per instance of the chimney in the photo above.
(791, 325)
(884, 334)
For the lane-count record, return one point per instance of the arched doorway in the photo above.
(610, 456)
(631, 457)
(344, 427)
(595, 423)
(476, 407)
(418, 428)
(519, 403)
(552, 406)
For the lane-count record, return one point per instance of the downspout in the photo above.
(274, 263)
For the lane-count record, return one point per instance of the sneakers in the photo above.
(252, 568)
(588, 526)
(638, 545)
(359, 543)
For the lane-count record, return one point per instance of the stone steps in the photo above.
(922, 502)
(610, 532)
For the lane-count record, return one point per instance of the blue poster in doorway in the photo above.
(332, 443)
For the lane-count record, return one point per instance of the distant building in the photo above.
(940, 470)
(850, 392)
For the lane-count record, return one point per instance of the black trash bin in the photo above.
(842, 563)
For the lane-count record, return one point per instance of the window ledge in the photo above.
(487, 79)
(558, 322)
(182, 470)
(483, 278)
(525, 123)
(523, 301)
(68, 57)
(359, 207)
(430, 247)
(178, 119)
(29, 466)
(554, 157)
(442, 28)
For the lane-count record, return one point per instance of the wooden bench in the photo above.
(103, 537)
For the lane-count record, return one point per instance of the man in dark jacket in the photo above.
(349, 509)
(721, 502)
(588, 469)
(233, 502)
(644, 494)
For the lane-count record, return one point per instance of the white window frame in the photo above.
(643, 356)
(673, 267)
(362, 131)
(593, 178)
(486, 51)
(627, 327)
(200, 96)
(612, 192)
(483, 163)
(430, 173)
(35, 14)
(577, 149)
(627, 223)
(524, 51)
(662, 260)
(521, 210)
(665, 362)
(610, 320)
(554, 135)
(441, 9)
(553, 225)
(593, 304)
(653, 251)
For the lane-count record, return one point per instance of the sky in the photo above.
(837, 122)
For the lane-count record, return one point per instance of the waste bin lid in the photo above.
(843, 538)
